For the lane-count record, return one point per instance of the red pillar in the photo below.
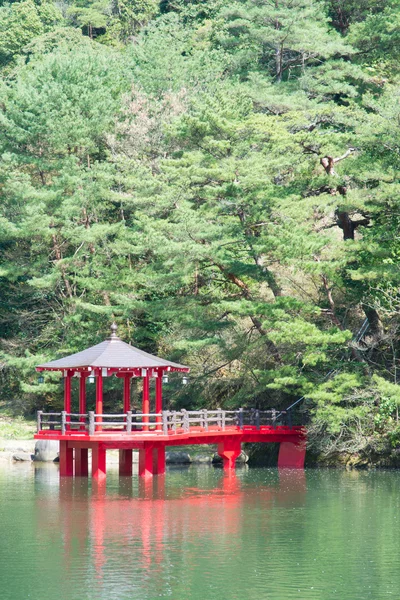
(146, 401)
(127, 393)
(82, 398)
(159, 401)
(125, 462)
(229, 450)
(81, 462)
(66, 459)
(99, 398)
(67, 394)
(292, 455)
(159, 460)
(146, 461)
(98, 462)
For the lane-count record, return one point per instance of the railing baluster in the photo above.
(219, 418)
(165, 422)
(252, 412)
(174, 420)
(129, 421)
(91, 422)
(223, 420)
(241, 418)
(205, 419)
(39, 420)
(185, 420)
(258, 419)
(273, 418)
(63, 422)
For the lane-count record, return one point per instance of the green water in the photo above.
(196, 535)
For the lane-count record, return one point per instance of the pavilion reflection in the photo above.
(141, 518)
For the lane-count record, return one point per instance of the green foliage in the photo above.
(16, 428)
(282, 37)
(221, 179)
(21, 22)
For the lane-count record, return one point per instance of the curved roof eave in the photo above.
(113, 353)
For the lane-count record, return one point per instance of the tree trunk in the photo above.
(375, 331)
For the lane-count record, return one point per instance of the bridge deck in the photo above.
(152, 433)
(195, 435)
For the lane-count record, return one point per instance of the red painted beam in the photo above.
(146, 461)
(81, 462)
(146, 401)
(99, 462)
(127, 393)
(159, 460)
(82, 398)
(125, 462)
(67, 394)
(66, 460)
(229, 450)
(99, 398)
(292, 455)
(159, 400)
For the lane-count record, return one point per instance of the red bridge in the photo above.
(150, 432)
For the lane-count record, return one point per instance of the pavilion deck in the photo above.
(164, 426)
(151, 433)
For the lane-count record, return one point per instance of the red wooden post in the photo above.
(291, 455)
(229, 450)
(127, 393)
(146, 461)
(159, 460)
(82, 398)
(81, 462)
(66, 459)
(125, 462)
(98, 462)
(67, 394)
(146, 401)
(99, 398)
(159, 400)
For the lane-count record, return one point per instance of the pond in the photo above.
(196, 534)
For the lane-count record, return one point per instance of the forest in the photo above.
(221, 179)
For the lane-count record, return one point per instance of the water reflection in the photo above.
(143, 529)
(196, 535)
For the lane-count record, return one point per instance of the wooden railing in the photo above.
(167, 422)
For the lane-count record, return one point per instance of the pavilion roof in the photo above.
(112, 353)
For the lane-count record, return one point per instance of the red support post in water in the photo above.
(159, 460)
(81, 462)
(66, 459)
(159, 401)
(99, 462)
(125, 462)
(146, 461)
(99, 398)
(292, 455)
(229, 450)
(146, 401)
(127, 393)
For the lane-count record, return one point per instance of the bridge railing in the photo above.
(203, 419)
(166, 422)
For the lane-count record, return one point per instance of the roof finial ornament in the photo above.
(114, 328)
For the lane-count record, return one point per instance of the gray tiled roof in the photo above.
(113, 353)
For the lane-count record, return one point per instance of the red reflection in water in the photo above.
(144, 524)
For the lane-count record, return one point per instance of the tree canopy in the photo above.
(222, 180)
